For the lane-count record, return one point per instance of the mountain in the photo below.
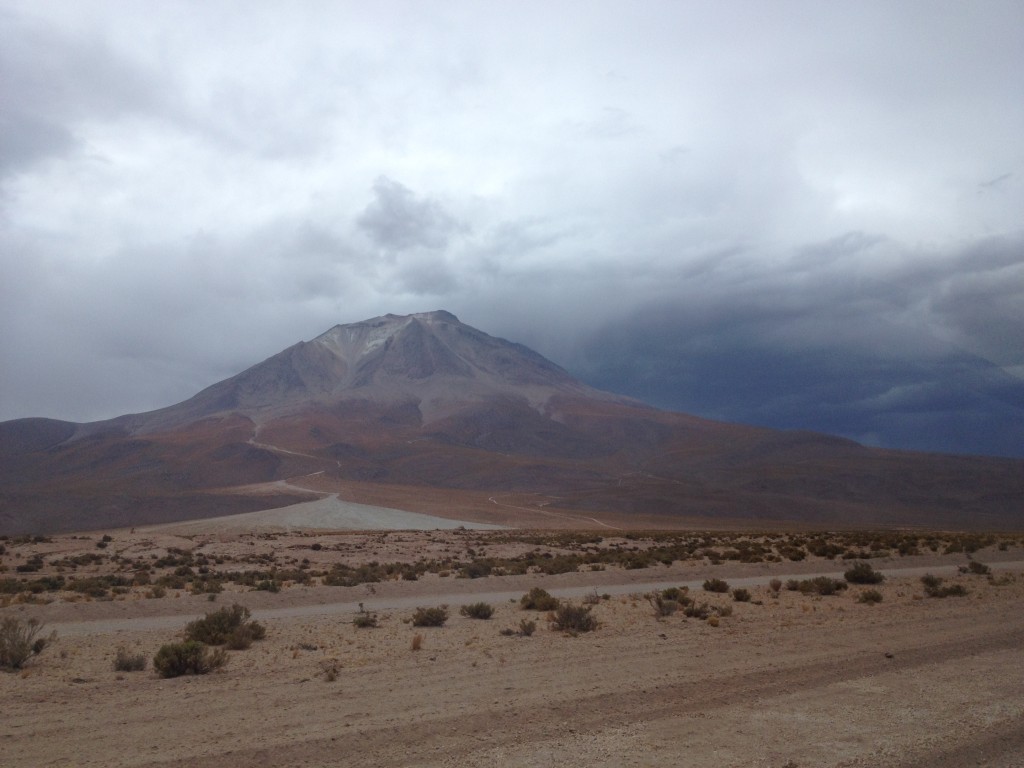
(428, 414)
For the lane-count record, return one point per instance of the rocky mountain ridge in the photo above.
(418, 407)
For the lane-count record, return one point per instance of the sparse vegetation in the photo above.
(417, 642)
(188, 658)
(331, 668)
(716, 585)
(228, 626)
(113, 575)
(538, 599)
(477, 611)
(662, 605)
(125, 661)
(430, 617)
(20, 641)
(863, 573)
(365, 620)
(870, 597)
(934, 587)
(741, 595)
(694, 610)
(573, 619)
(819, 585)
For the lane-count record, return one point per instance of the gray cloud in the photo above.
(52, 82)
(803, 216)
(397, 220)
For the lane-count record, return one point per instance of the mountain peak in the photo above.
(391, 322)
(430, 360)
(354, 340)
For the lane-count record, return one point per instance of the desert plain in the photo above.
(787, 678)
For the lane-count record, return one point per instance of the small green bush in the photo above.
(716, 585)
(188, 658)
(573, 619)
(863, 573)
(129, 662)
(538, 599)
(870, 597)
(430, 617)
(477, 611)
(741, 595)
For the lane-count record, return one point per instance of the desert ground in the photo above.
(786, 679)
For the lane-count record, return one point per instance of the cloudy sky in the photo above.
(797, 214)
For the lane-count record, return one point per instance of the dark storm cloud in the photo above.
(875, 358)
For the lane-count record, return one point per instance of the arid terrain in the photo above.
(788, 677)
(425, 414)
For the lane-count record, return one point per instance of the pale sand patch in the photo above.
(330, 513)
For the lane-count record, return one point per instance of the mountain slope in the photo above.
(420, 407)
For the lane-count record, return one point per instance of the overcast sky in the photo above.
(800, 214)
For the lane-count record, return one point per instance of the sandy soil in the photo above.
(792, 680)
(328, 513)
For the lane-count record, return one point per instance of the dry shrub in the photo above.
(819, 585)
(430, 617)
(695, 611)
(716, 585)
(477, 611)
(128, 662)
(188, 658)
(417, 642)
(863, 573)
(526, 628)
(662, 606)
(19, 641)
(364, 620)
(573, 619)
(331, 668)
(933, 587)
(538, 599)
(229, 626)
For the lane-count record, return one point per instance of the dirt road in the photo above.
(793, 681)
